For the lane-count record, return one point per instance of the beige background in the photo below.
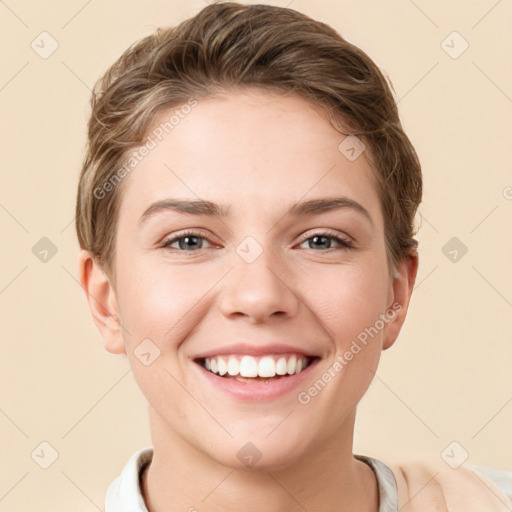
(448, 377)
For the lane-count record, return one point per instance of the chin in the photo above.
(260, 454)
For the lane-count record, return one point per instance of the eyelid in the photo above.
(305, 236)
(343, 241)
(328, 232)
(197, 232)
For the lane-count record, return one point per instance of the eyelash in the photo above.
(345, 244)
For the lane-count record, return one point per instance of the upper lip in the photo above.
(254, 350)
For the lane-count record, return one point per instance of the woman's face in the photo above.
(256, 275)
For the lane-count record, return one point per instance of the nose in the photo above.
(260, 291)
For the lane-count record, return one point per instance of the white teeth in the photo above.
(281, 366)
(266, 367)
(222, 366)
(233, 366)
(292, 363)
(249, 366)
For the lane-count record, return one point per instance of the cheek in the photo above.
(161, 302)
(350, 302)
(351, 314)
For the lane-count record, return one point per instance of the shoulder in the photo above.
(435, 484)
(500, 477)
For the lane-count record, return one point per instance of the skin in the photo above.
(258, 153)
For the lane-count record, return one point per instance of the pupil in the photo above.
(186, 240)
(320, 237)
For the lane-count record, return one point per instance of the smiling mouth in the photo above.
(245, 368)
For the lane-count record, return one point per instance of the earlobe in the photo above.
(402, 288)
(102, 302)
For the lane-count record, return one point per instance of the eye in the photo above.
(192, 241)
(323, 241)
(188, 241)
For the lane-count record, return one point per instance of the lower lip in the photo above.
(257, 390)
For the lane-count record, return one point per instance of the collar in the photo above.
(463, 489)
(125, 492)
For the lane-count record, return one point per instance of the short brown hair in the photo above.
(231, 46)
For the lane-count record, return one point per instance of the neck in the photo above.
(181, 478)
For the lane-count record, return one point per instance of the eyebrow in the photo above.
(304, 208)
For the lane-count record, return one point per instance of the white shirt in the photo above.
(125, 494)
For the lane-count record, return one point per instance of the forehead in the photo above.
(247, 149)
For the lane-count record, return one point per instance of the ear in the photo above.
(102, 302)
(401, 291)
